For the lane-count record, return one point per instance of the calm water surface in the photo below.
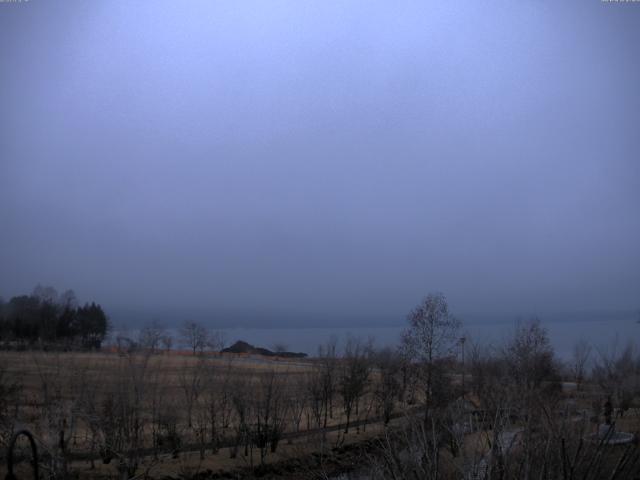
(605, 333)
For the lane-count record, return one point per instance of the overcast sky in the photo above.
(318, 160)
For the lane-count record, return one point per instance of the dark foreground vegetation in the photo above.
(438, 407)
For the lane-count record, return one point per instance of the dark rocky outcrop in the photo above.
(244, 347)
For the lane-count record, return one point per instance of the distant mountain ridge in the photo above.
(244, 347)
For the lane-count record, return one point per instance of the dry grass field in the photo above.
(107, 415)
(173, 415)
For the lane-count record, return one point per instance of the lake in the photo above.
(603, 333)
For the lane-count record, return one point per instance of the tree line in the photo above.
(51, 320)
(154, 337)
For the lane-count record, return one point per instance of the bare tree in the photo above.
(328, 373)
(195, 336)
(429, 339)
(268, 413)
(58, 410)
(159, 405)
(217, 403)
(167, 342)
(242, 414)
(316, 394)
(167, 426)
(123, 417)
(354, 375)
(10, 392)
(151, 336)
(46, 294)
(192, 379)
(618, 374)
(491, 384)
(409, 452)
(298, 400)
(534, 376)
(388, 365)
(91, 386)
(68, 299)
(216, 341)
(579, 361)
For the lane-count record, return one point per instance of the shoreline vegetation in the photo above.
(440, 406)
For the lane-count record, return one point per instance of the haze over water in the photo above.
(604, 333)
